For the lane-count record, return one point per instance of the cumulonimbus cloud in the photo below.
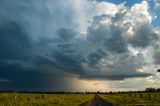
(104, 39)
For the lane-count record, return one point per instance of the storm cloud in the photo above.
(102, 41)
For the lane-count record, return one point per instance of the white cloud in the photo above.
(141, 12)
(157, 4)
(115, 35)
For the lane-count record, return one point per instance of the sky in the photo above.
(79, 45)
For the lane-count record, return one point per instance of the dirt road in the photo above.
(96, 101)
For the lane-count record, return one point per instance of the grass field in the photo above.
(31, 99)
(133, 99)
(118, 99)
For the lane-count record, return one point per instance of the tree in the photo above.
(150, 89)
(158, 89)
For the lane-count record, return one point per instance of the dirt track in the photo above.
(96, 101)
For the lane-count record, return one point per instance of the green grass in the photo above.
(31, 99)
(133, 99)
(35, 99)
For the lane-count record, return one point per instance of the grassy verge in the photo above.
(31, 99)
(133, 99)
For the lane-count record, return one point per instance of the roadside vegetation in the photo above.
(149, 97)
(34, 99)
(144, 98)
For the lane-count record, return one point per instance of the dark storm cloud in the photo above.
(15, 56)
(109, 34)
(66, 35)
(36, 35)
(95, 56)
(116, 42)
(14, 43)
(20, 78)
(114, 77)
(144, 35)
(156, 54)
(68, 63)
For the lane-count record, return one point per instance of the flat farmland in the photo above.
(133, 99)
(108, 99)
(34, 99)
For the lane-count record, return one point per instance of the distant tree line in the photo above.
(86, 92)
(152, 90)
